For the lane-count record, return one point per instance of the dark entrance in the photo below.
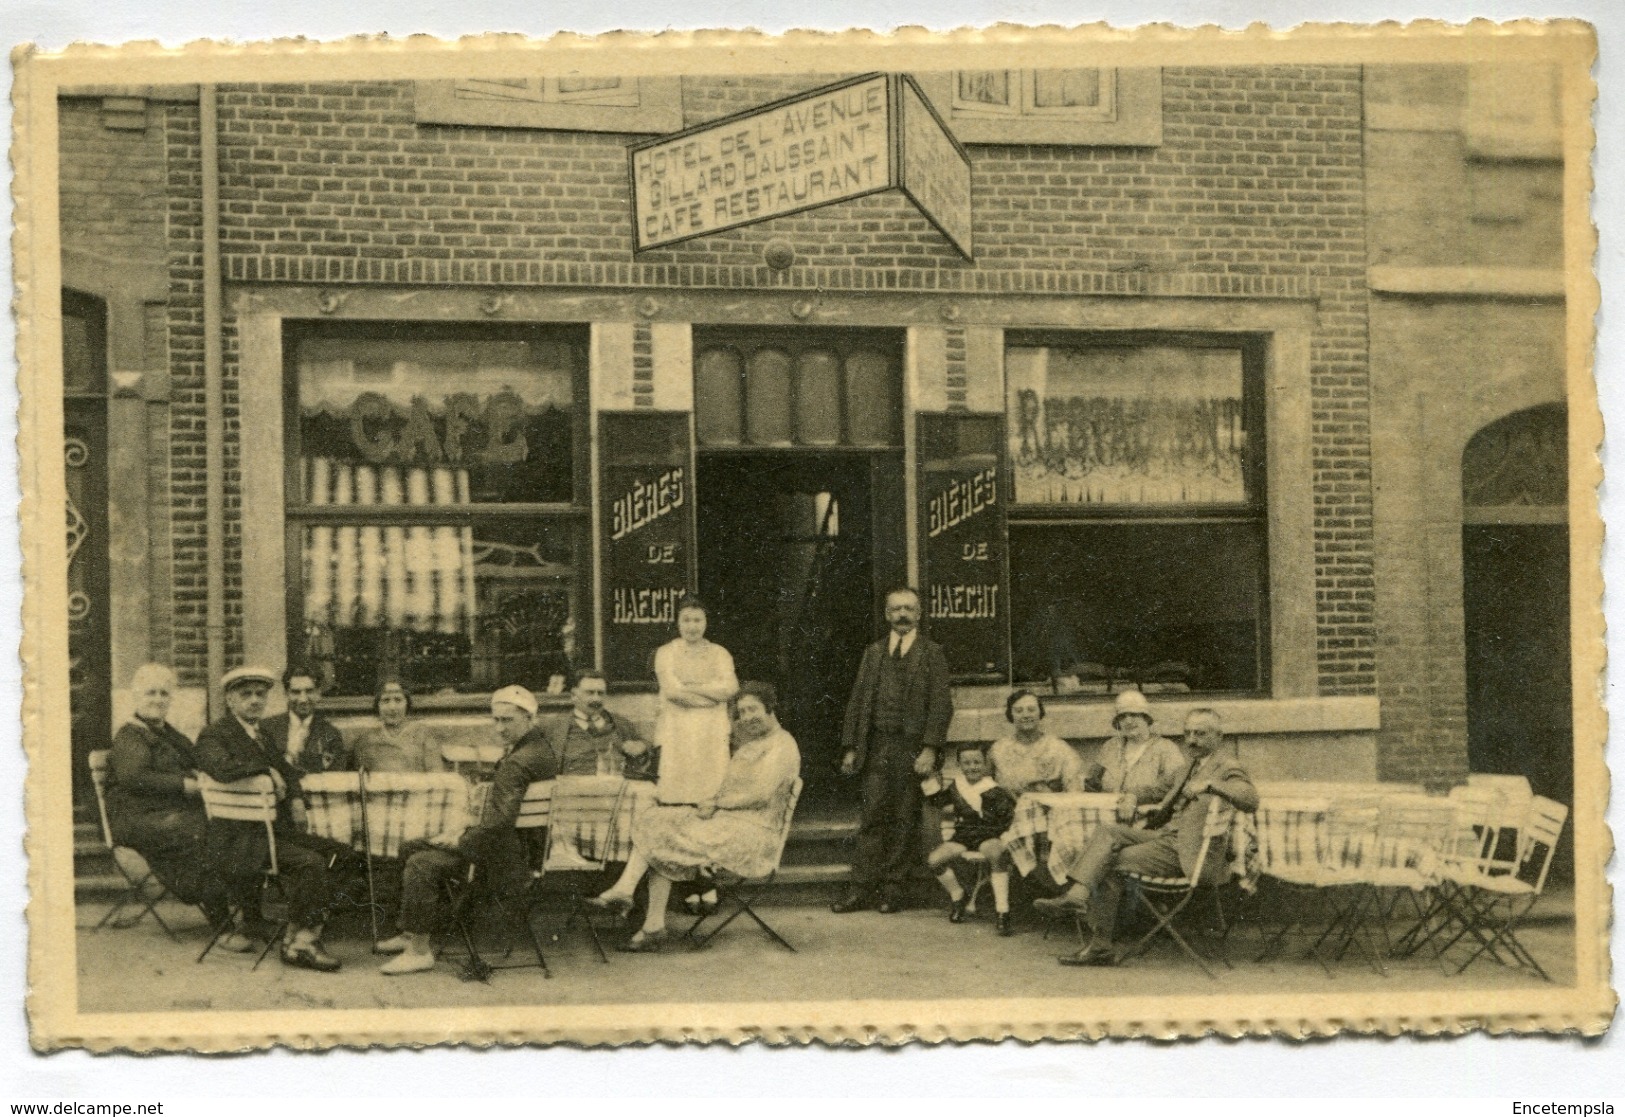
(1515, 598)
(1520, 715)
(84, 406)
(795, 548)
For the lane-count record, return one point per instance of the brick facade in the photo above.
(1256, 190)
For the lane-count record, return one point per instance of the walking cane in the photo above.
(366, 849)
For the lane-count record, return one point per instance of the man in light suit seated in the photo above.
(1168, 846)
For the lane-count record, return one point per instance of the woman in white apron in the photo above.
(696, 680)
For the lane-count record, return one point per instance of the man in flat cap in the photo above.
(492, 842)
(235, 748)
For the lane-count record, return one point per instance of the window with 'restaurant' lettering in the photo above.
(436, 505)
(1138, 536)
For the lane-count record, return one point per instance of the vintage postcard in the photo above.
(860, 539)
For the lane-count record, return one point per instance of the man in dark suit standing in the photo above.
(896, 722)
(302, 736)
(235, 748)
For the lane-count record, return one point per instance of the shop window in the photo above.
(566, 103)
(1137, 530)
(797, 388)
(436, 497)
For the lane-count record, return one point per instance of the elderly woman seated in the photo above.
(734, 832)
(153, 803)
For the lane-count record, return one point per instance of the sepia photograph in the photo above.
(1033, 533)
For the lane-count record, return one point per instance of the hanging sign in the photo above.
(844, 141)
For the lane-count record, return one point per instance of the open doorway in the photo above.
(795, 548)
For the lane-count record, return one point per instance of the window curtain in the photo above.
(417, 578)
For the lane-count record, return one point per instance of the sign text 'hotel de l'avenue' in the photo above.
(834, 144)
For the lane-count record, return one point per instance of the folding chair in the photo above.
(249, 800)
(1414, 834)
(1484, 842)
(1489, 906)
(139, 878)
(583, 837)
(1166, 897)
(1293, 844)
(1351, 834)
(742, 892)
(534, 811)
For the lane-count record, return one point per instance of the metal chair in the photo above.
(1351, 834)
(1414, 834)
(139, 879)
(250, 800)
(741, 893)
(1490, 906)
(1484, 843)
(535, 809)
(1293, 845)
(1166, 897)
(582, 837)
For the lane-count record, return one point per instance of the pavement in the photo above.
(910, 955)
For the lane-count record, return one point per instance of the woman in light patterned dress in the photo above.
(736, 831)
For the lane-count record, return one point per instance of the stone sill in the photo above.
(1249, 717)
(1467, 282)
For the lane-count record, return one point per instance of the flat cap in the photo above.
(515, 696)
(247, 674)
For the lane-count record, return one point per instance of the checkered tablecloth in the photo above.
(592, 817)
(1069, 818)
(401, 807)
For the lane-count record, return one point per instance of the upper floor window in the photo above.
(1086, 106)
(575, 102)
(1062, 94)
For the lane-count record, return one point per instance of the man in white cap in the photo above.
(491, 843)
(235, 748)
(1168, 846)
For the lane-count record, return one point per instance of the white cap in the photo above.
(516, 696)
(247, 674)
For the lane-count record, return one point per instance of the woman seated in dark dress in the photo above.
(153, 802)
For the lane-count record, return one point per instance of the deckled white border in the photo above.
(1225, 1065)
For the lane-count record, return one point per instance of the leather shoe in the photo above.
(1001, 924)
(644, 942)
(852, 901)
(309, 956)
(1091, 956)
(957, 914)
(1072, 901)
(617, 902)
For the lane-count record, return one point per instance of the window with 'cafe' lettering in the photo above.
(436, 497)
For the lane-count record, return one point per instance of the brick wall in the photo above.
(112, 184)
(1257, 188)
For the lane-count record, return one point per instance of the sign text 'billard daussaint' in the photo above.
(831, 145)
